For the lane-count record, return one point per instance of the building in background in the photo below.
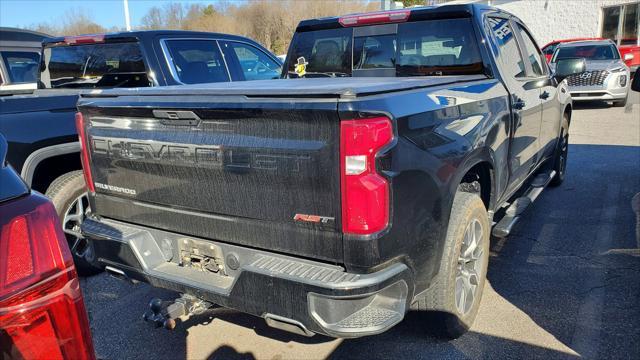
(566, 19)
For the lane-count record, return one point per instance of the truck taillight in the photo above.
(365, 193)
(42, 314)
(84, 155)
(381, 17)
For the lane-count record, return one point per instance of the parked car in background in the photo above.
(606, 76)
(362, 185)
(635, 84)
(19, 58)
(630, 53)
(548, 49)
(40, 125)
(42, 314)
(629, 50)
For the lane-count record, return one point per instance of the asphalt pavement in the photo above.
(566, 284)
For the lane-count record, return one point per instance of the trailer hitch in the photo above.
(164, 313)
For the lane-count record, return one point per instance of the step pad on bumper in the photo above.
(369, 316)
(302, 270)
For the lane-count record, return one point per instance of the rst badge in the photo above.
(314, 220)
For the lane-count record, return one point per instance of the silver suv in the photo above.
(606, 76)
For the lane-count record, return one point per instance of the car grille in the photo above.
(588, 78)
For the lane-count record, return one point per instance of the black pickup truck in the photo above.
(39, 125)
(363, 185)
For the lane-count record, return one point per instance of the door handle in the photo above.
(545, 95)
(518, 104)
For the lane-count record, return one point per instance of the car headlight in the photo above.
(623, 80)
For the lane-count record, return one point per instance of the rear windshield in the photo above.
(422, 48)
(94, 66)
(591, 52)
(22, 66)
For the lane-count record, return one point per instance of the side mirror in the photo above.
(635, 85)
(628, 57)
(567, 67)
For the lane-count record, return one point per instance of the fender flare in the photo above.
(35, 158)
(478, 155)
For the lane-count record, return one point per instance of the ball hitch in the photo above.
(165, 313)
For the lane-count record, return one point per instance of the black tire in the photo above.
(620, 103)
(65, 192)
(561, 154)
(446, 318)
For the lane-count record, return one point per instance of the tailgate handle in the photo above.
(177, 117)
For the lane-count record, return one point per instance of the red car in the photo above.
(629, 50)
(42, 314)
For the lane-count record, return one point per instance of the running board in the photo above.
(512, 214)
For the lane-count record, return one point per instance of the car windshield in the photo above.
(421, 48)
(589, 52)
(94, 66)
(22, 66)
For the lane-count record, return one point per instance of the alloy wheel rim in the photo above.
(469, 269)
(71, 223)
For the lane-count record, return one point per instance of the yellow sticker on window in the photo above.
(301, 67)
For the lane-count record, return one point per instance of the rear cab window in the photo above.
(94, 66)
(321, 53)
(21, 66)
(420, 48)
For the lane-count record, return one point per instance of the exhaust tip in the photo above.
(118, 274)
(286, 324)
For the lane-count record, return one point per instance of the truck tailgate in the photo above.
(226, 168)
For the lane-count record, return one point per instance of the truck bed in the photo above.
(315, 87)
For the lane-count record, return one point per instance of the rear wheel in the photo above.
(561, 154)
(457, 289)
(69, 196)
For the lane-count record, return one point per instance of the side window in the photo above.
(509, 53)
(196, 61)
(549, 49)
(22, 66)
(251, 63)
(535, 59)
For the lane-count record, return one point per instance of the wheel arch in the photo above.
(568, 109)
(46, 164)
(478, 166)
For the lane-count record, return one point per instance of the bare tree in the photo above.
(75, 22)
(79, 21)
(170, 16)
(270, 22)
(153, 19)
